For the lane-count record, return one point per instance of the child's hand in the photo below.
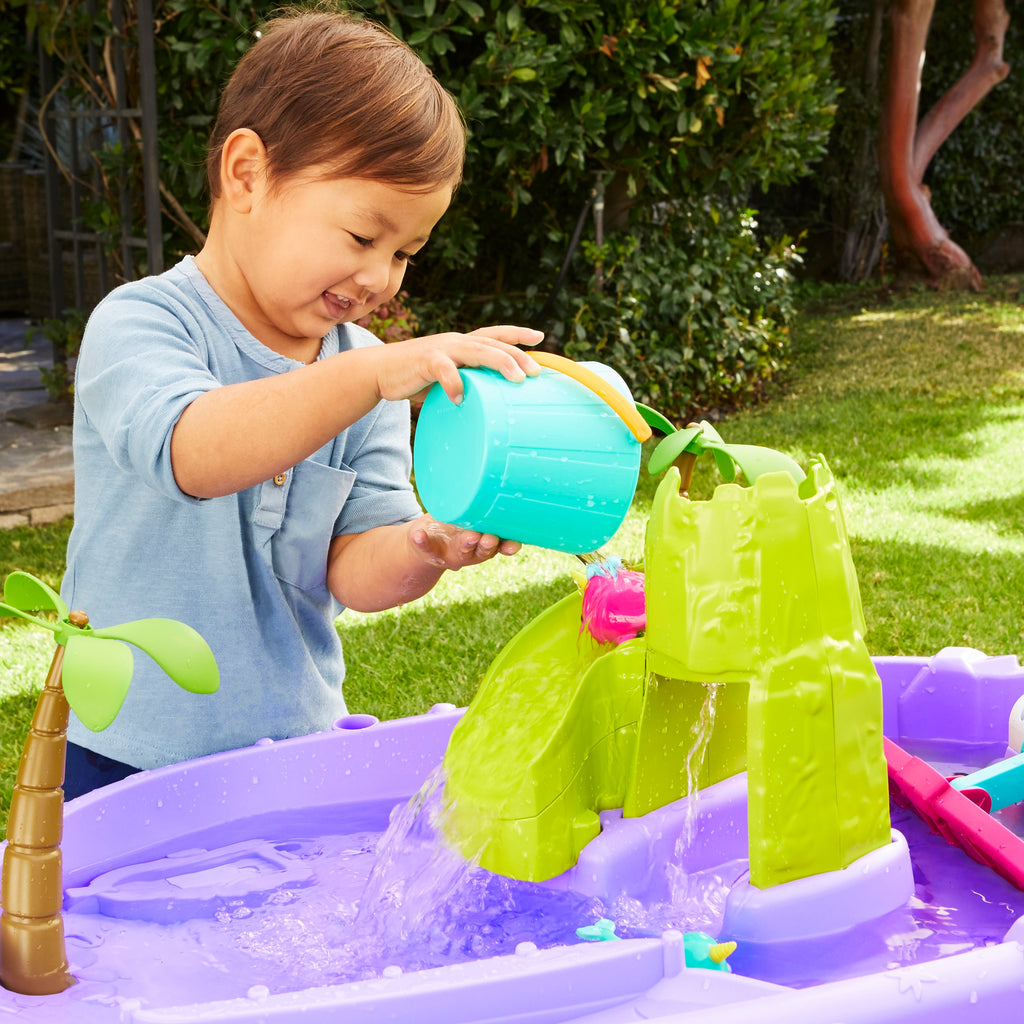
(409, 367)
(450, 547)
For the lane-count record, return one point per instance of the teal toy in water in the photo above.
(602, 930)
(700, 950)
(705, 951)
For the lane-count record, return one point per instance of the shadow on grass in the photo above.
(1004, 515)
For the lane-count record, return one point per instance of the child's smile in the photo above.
(337, 305)
(316, 252)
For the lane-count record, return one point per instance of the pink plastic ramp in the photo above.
(954, 815)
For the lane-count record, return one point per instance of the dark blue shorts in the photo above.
(85, 770)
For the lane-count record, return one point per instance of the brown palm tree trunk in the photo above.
(33, 958)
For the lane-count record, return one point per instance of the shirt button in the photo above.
(280, 479)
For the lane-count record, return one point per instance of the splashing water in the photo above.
(701, 731)
(422, 904)
(686, 888)
(395, 901)
(427, 904)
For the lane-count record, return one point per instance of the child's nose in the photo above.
(373, 275)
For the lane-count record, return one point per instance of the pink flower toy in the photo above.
(613, 602)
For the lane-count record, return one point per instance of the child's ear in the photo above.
(243, 162)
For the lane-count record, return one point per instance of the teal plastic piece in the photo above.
(1003, 781)
(545, 461)
(706, 952)
(602, 930)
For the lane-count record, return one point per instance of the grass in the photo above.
(915, 399)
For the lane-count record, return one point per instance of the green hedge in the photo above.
(688, 106)
(663, 100)
(693, 310)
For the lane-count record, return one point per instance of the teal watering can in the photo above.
(551, 461)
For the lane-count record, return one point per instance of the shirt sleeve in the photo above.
(378, 448)
(139, 368)
(381, 456)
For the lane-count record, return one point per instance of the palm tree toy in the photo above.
(90, 673)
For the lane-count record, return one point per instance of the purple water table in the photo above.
(170, 845)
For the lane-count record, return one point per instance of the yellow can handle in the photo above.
(618, 402)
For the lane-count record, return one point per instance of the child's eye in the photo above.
(405, 257)
(363, 243)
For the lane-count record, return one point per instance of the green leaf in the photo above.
(671, 448)
(524, 74)
(654, 419)
(755, 460)
(30, 594)
(752, 460)
(96, 675)
(176, 647)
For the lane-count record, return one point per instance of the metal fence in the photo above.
(81, 136)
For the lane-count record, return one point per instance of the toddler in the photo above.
(242, 454)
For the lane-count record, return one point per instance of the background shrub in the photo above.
(586, 117)
(692, 310)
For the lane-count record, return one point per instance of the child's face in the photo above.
(317, 252)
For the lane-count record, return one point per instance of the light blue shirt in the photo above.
(248, 570)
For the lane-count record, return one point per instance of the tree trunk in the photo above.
(906, 147)
(865, 219)
(33, 958)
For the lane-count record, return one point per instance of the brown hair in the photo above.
(328, 88)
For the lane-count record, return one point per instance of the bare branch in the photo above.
(916, 232)
(987, 70)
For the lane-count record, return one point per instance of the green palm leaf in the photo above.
(751, 459)
(98, 667)
(96, 675)
(176, 647)
(29, 594)
(755, 461)
(670, 448)
(654, 419)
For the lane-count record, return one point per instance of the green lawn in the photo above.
(915, 400)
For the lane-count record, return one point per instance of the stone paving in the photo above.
(37, 483)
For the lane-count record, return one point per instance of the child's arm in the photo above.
(392, 565)
(239, 435)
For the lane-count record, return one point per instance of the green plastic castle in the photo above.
(755, 590)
